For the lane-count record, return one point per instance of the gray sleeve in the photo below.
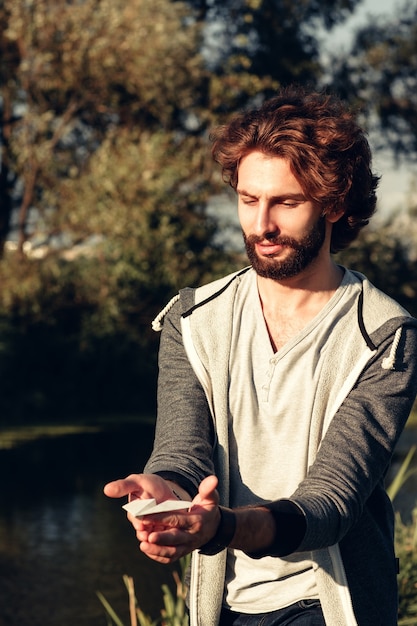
(184, 431)
(356, 451)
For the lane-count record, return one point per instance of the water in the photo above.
(62, 540)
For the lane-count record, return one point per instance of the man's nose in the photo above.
(264, 224)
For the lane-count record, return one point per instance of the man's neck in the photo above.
(314, 283)
(289, 305)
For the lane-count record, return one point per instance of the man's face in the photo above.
(283, 231)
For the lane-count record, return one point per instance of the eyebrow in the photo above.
(300, 197)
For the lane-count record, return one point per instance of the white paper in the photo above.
(139, 507)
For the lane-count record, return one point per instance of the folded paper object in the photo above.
(139, 507)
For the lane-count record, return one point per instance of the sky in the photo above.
(398, 184)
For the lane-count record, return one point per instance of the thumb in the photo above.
(119, 488)
(207, 491)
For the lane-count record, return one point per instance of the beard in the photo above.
(302, 252)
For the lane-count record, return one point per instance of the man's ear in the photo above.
(333, 215)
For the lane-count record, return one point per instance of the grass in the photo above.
(173, 613)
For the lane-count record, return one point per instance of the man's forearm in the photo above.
(255, 529)
(247, 529)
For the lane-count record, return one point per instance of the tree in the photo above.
(95, 102)
(105, 109)
(262, 44)
(379, 74)
(70, 71)
(271, 38)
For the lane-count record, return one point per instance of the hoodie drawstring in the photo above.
(156, 324)
(389, 362)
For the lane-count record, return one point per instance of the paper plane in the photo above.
(139, 507)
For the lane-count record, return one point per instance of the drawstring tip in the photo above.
(388, 364)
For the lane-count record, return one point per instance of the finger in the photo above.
(140, 485)
(164, 554)
(172, 538)
(161, 534)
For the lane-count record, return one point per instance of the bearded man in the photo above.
(283, 390)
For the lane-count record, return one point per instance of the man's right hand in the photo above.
(140, 486)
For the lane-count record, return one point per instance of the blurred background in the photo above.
(109, 202)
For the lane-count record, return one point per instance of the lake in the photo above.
(62, 540)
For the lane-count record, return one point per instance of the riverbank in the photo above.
(11, 436)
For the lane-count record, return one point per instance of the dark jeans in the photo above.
(303, 613)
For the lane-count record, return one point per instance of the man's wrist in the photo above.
(290, 520)
(224, 533)
(179, 492)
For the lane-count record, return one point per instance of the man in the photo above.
(283, 390)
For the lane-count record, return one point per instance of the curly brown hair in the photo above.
(328, 152)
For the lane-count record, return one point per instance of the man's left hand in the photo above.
(166, 537)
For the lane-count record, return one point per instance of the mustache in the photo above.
(277, 240)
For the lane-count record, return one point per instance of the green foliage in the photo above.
(148, 213)
(78, 71)
(112, 206)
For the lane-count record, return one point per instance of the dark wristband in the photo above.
(224, 534)
(291, 527)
